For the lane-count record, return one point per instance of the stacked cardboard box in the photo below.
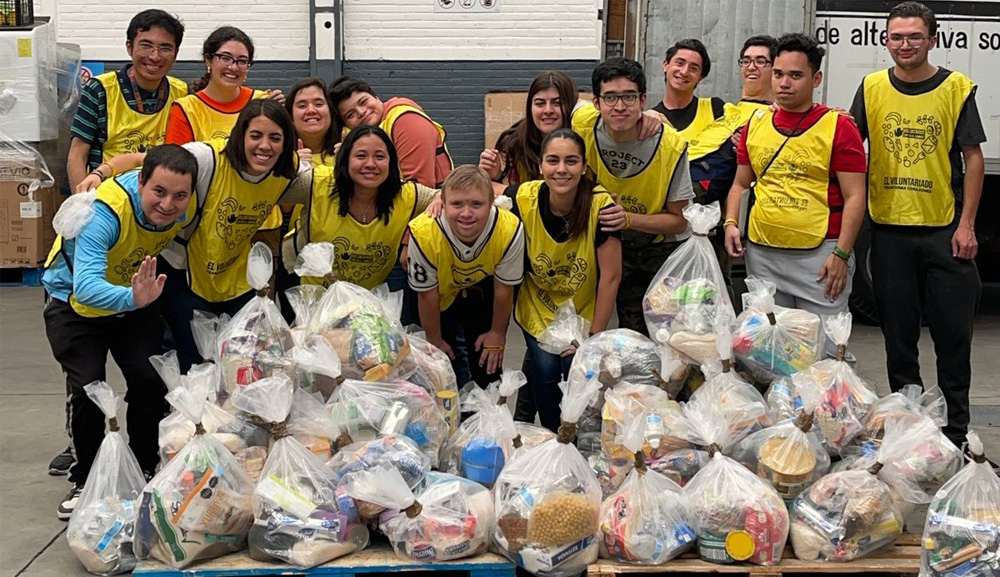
(26, 233)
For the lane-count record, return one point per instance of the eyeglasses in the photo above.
(228, 60)
(612, 98)
(146, 48)
(760, 61)
(912, 39)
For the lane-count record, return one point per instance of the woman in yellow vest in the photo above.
(568, 257)
(309, 106)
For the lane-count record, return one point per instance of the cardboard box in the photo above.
(502, 109)
(26, 233)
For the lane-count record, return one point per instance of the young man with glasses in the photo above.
(923, 124)
(126, 111)
(122, 112)
(648, 176)
(686, 64)
(809, 166)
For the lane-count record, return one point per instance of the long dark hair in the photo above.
(522, 142)
(332, 136)
(387, 191)
(579, 220)
(286, 165)
(214, 42)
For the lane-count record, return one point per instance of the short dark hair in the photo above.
(155, 18)
(802, 43)
(387, 192)
(235, 151)
(613, 68)
(695, 45)
(332, 135)
(760, 40)
(340, 90)
(172, 157)
(915, 10)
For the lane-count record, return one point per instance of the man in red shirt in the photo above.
(808, 165)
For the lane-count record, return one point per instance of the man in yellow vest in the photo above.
(686, 64)
(922, 123)
(464, 263)
(419, 140)
(808, 163)
(126, 110)
(103, 284)
(648, 176)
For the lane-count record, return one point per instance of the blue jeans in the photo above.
(545, 371)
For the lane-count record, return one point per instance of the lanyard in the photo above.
(139, 104)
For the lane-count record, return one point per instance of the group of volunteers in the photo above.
(186, 179)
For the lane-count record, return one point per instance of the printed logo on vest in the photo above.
(137, 141)
(563, 276)
(127, 267)
(909, 141)
(236, 222)
(354, 263)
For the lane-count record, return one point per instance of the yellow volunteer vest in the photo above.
(317, 160)
(454, 274)
(702, 118)
(392, 115)
(209, 123)
(909, 173)
(713, 136)
(135, 242)
(558, 271)
(646, 192)
(792, 199)
(233, 211)
(130, 130)
(365, 253)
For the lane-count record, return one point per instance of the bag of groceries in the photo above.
(688, 295)
(311, 425)
(254, 343)
(316, 366)
(198, 505)
(772, 341)
(314, 264)
(565, 332)
(433, 371)
(297, 518)
(848, 514)
(548, 500)
(790, 455)
(962, 532)
(396, 451)
(102, 526)
(446, 518)
(486, 440)
(738, 516)
(645, 521)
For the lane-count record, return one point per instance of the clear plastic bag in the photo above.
(773, 341)
(738, 516)
(688, 295)
(316, 365)
(102, 526)
(198, 505)
(310, 423)
(255, 342)
(962, 531)
(297, 518)
(645, 521)
(548, 499)
(846, 515)
(486, 440)
(74, 214)
(396, 451)
(367, 410)
(565, 332)
(790, 455)
(432, 370)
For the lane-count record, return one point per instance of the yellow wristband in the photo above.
(730, 221)
(628, 221)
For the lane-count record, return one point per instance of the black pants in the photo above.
(640, 263)
(914, 272)
(472, 310)
(81, 345)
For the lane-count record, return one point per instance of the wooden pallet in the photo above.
(902, 558)
(21, 276)
(377, 558)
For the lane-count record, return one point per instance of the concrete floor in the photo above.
(31, 423)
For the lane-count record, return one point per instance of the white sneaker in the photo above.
(65, 509)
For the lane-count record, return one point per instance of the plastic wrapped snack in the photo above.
(198, 505)
(102, 526)
(565, 332)
(254, 344)
(487, 439)
(548, 500)
(789, 455)
(849, 514)
(645, 521)
(680, 466)
(317, 367)
(738, 516)
(297, 518)
(773, 341)
(962, 532)
(688, 295)
(394, 408)
(396, 451)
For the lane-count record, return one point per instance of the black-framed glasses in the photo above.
(612, 98)
(760, 61)
(911, 39)
(145, 48)
(228, 60)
